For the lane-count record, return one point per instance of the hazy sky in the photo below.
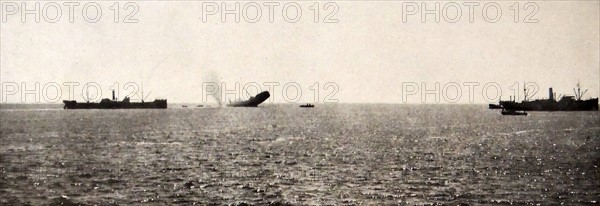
(369, 54)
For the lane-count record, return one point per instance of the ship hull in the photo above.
(252, 102)
(513, 112)
(550, 105)
(156, 104)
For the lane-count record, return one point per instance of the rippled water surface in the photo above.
(342, 154)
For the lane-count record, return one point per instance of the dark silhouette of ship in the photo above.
(307, 105)
(566, 103)
(252, 102)
(115, 104)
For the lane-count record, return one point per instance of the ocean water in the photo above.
(339, 154)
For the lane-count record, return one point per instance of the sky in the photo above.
(354, 52)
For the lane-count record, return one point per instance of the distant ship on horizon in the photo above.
(566, 103)
(252, 102)
(115, 104)
(307, 105)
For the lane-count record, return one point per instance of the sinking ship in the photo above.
(566, 103)
(115, 104)
(252, 101)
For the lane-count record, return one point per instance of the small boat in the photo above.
(200, 105)
(494, 106)
(184, 106)
(513, 112)
(307, 105)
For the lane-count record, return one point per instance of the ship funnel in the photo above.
(550, 94)
(114, 98)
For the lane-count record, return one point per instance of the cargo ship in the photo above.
(566, 103)
(307, 105)
(115, 104)
(252, 102)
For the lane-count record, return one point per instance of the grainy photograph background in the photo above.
(400, 92)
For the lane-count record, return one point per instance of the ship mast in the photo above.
(142, 97)
(524, 92)
(142, 90)
(578, 93)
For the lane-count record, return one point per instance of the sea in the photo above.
(280, 154)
